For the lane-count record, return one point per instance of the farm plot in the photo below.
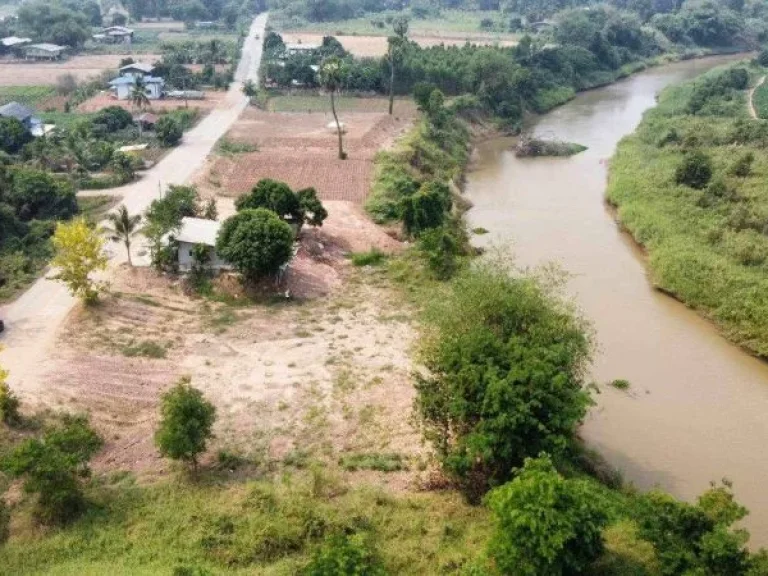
(104, 99)
(376, 46)
(300, 149)
(22, 73)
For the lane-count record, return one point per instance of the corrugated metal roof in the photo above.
(140, 66)
(123, 80)
(198, 231)
(16, 110)
(14, 41)
(48, 47)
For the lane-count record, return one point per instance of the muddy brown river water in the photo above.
(697, 410)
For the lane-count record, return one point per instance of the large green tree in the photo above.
(256, 242)
(297, 208)
(13, 135)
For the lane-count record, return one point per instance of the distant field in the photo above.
(28, 95)
(315, 103)
(451, 24)
(375, 46)
(46, 73)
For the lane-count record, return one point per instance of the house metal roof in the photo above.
(47, 47)
(140, 66)
(16, 110)
(11, 41)
(126, 80)
(198, 231)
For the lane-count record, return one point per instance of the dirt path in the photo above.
(752, 111)
(33, 320)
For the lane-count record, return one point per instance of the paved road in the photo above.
(33, 320)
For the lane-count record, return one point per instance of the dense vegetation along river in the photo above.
(696, 409)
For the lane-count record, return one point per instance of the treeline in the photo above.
(226, 11)
(689, 185)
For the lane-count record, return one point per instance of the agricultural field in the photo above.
(376, 46)
(301, 149)
(104, 99)
(81, 67)
(455, 24)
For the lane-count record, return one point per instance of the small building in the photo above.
(115, 35)
(24, 115)
(300, 48)
(198, 231)
(44, 51)
(14, 41)
(123, 87)
(137, 69)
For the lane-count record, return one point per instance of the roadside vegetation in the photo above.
(689, 187)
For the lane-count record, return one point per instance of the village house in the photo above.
(24, 115)
(44, 51)
(115, 35)
(137, 69)
(299, 48)
(194, 232)
(123, 85)
(13, 45)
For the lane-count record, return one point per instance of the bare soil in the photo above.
(25, 73)
(301, 150)
(104, 99)
(375, 46)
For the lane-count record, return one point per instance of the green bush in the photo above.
(168, 130)
(545, 524)
(5, 522)
(742, 167)
(344, 555)
(296, 208)
(373, 257)
(52, 467)
(13, 135)
(426, 209)
(695, 170)
(186, 423)
(499, 345)
(256, 242)
(9, 403)
(444, 248)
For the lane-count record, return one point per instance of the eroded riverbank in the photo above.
(695, 411)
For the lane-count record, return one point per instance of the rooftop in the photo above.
(16, 110)
(140, 66)
(300, 47)
(127, 80)
(48, 47)
(14, 41)
(198, 231)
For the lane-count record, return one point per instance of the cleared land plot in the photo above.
(300, 149)
(315, 378)
(21, 73)
(404, 107)
(104, 99)
(375, 46)
(40, 98)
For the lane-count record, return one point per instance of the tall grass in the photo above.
(708, 248)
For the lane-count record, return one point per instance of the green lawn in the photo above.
(28, 95)
(317, 103)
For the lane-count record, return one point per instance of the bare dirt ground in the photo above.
(300, 149)
(104, 99)
(320, 376)
(24, 73)
(375, 46)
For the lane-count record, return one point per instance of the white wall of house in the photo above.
(153, 91)
(186, 260)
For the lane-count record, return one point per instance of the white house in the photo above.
(137, 69)
(196, 231)
(123, 87)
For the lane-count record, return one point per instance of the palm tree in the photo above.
(139, 97)
(333, 73)
(123, 227)
(395, 46)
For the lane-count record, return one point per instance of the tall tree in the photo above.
(395, 46)
(122, 227)
(139, 97)
(333, 73)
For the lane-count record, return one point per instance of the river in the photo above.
(697, 407)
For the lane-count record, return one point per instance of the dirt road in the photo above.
(33, 320)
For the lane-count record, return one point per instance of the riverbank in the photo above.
(706, 244)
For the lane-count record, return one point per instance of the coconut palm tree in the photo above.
(333, 74)
(395, 47)
(139, 97)
(122, 227)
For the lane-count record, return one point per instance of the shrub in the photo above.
(256, 242)
(343, 555)
(186, 423)
(373, 257)
(499, 346)
(426, 209)
(5, 522)
(443, 248)
(695, 170)
(545, 524)
(13, 135)
(9, 403)
(53, 466)
(113, 118)
(743, 165)
(762, 58)
(168, 131)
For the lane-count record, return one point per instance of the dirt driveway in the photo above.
(23, 73)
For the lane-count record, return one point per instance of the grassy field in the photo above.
(27, 95)
(449, 23)
(317, 103)
(708, 247)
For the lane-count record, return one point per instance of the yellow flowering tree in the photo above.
(79, 253)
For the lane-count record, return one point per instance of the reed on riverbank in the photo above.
(706, 244)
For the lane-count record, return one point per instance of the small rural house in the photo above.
(13, 44)
(196, 231)
(24, 115)
(115, 35)
(123, 87)
(43, 51)
(300, 48)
